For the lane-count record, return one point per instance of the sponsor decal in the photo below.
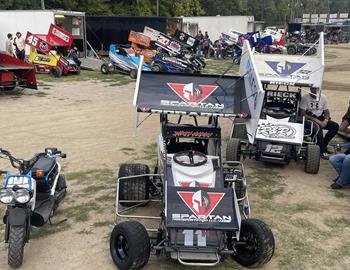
(202, 204)
(43, 46)
(286, 97)
(201, 134)
(276, 131)
(284, 68)
(60, 34)
(192, 93)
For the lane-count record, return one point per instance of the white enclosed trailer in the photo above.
(215, 25)
(38, 22)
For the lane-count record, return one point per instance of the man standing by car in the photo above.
(8, 45)
(19, 44)
(316, 110)
(199, 39)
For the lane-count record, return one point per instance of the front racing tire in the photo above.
(56, 72)
(130, 245)
(312, 162)
(133, 188)
(16, 246)
(105, 69)
(233, 150)
(133, 74)
(259, 244)
(291, 50)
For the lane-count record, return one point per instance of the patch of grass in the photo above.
(266, 182)
(86, 75)
(150, 153)
(93, 189)
(41, 94)
(81, 213)
(13, 93)
(102, 224)
(214, 66)
(95, 175)
(48, 229)
(85, 231)
(338, 223)
(128, 151)
(330, 55)
(339, 194)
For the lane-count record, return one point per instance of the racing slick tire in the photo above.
(105, 68)
(56, 72)
(157, 68)
(130, 245)
(133, 188)
(239, 131)
(133, 74)
(78, 71)
(237, 60)
(312, 162)
(291, 50)
(233, 150)
(259, 244)
(9, 87)
(16, 246)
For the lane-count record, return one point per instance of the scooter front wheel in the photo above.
(16, 246)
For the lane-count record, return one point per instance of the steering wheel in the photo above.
(190, 158)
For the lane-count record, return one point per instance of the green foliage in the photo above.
(273, 12)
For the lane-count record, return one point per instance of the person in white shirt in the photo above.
(8, 45)
(317, 111)
(19, 45)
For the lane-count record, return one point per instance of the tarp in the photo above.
(206, 95)
(296, 70)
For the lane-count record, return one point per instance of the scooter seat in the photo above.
(43, 163)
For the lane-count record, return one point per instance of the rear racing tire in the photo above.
(157, 68)
(78, 71)
(130, 245)
(312, 162)
(133, 74)
(291, 50)
(260, 244)
(56, 72)
(105, 69)
(237, 60)
(16, 246)
(133, 188)
(233, 150)
(239, 129)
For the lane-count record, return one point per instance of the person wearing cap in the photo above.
(8, 45)
(316, 110)
(19, 45)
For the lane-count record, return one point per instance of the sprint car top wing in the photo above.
(298, 70)
(205, 95)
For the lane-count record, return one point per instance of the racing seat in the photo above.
(278, 110)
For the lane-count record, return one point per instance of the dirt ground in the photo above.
(93, 122)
